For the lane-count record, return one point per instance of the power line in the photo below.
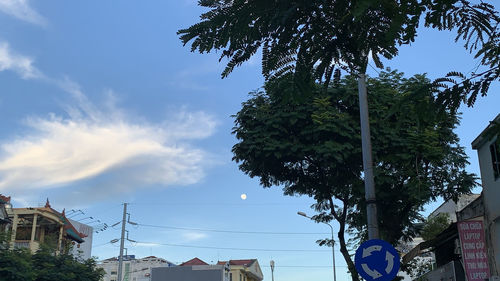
(216, 204)
(304, 266)
(233, 231)
(230, 248)
(99, 245)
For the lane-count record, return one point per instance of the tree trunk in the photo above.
(341, 235)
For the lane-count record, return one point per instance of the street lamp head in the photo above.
(302, 214)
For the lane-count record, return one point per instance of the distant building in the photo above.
(33, 226)
(133, 269)
(244, 270)
(196, 270)
(83, 250)
(451, 207)
(487, 145)
(192, 270)
(4, 216)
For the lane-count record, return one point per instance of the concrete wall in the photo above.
(491, 198)
(133, 269)
(188, 273)
(84, 250)
(451, 208)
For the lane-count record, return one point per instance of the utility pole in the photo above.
(122, 243)
(272, 270)
(371, 203)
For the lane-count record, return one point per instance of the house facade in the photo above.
(487, 145)
(196, 270)
(133, 269)
(33, 226)
(244, 270)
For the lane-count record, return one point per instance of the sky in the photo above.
(100, 104)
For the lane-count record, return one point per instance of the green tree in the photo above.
(312, 147)
(16, 265)
(435, 225)
(313, 39)
(44, 265)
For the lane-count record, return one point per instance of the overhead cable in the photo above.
(233, 231)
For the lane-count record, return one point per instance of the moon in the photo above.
(243, 196)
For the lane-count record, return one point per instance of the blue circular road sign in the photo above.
(377, 260)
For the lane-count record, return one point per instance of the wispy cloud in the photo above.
(193, 236)
(20, 64)
(22, 10)
(60, 150)
(146, 244)
(103, 142)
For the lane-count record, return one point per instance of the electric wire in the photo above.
(304, 266)
(230, 248)
(233, 231)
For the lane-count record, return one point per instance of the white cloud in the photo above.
(20, 64)
(22, 10)
(92, 142)
(193, 236)
(146, 244)
(102, 147)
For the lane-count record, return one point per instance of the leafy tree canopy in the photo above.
(312, 147)
(312, 38)
(434, 226)
(21, 265)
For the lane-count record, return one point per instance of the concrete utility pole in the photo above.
(371, 203)
(122, 243)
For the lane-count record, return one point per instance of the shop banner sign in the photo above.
(474, 250)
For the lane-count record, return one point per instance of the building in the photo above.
(427, 258)
(4, 216)
(451, 207)
(34, 226)
(196, 269)
(83, 250)
(487, 145)
(471, 244)
(133, 269)
(192, 270)
(244, 270)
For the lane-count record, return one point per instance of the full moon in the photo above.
(243, 196)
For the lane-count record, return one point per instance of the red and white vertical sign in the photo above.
(474, 254)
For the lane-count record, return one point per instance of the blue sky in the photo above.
(101, 104)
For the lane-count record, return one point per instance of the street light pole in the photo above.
(333, 243)
(272, 270)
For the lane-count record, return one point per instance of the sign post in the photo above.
(377, 260)
(474, 253)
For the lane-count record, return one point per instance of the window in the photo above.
(240, 277)
(113, 272)
(495, 157)
(230, 277)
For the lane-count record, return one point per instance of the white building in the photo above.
(133, 269)
(451, 208)
(83, 250)
(487, 145)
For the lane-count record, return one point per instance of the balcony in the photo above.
(26, 244)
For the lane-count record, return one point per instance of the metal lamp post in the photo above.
(333, 243)
(272, 270)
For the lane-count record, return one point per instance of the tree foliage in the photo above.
(435, 225)
(21, 265)
(312, 147)
(313, 39)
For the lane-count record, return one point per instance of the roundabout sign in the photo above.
(377, 260)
